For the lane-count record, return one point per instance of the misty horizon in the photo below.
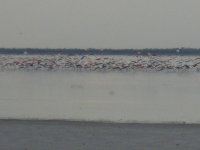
(98, 24)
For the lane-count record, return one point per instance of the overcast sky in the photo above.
(100, 23)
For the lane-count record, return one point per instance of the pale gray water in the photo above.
(118, 97)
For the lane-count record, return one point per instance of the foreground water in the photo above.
(118, 97)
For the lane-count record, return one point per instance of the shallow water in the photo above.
(118, 97)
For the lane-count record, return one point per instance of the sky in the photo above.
(99, 23)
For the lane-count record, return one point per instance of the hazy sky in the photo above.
(100, 23)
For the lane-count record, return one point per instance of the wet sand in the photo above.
(59, 135)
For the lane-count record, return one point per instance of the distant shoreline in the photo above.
(91, 51)
(103, 122)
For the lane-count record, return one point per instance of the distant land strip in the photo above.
(92, 51)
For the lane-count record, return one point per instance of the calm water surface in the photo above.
(118, 97)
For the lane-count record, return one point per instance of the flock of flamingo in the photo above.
(99, 63)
